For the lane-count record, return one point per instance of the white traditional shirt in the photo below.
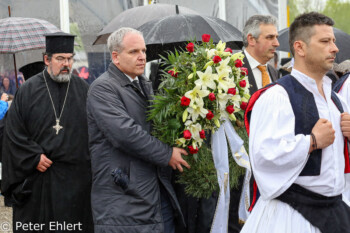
(256, 72)
(345, 90)
(345, 93)
(278, 156)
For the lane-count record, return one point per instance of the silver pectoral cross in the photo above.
(57, 127)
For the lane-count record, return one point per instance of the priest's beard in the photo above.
(61, 78)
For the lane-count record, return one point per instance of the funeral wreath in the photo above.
(202, 86)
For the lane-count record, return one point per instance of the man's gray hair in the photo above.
(252, 26)
(115, 40)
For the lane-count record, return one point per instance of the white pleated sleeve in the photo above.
(277, 154)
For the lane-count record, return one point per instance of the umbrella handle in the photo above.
(14, 62)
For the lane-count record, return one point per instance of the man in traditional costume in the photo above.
(297, 133)
(342, 86)
(46, 162)
(260, 43)
(131, 189)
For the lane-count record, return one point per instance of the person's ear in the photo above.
(46, 60)
(299, 48)
(115, 57)
(251, 40)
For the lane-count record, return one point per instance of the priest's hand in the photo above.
(345, 124)
(177, 161)
(44, 163)
(324, 133)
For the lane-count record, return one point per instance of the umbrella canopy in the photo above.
(137, 16)
(20, 34)
(342, 42)
(172, 31)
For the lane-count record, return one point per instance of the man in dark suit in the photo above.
(132, 166)
(260, 42)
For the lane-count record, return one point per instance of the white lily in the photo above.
(195, 129)
(196, 95)
(197, 110)
(206, 79)
(181, 142)
(236, 98)
(238, 55)
(221, 46)
(222, 99)
(224, 82)
(210, 53)
(223, 67)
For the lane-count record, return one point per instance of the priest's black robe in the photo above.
(59, 198)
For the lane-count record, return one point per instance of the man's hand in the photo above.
(324, 133)
(345, 124)
(44, 163)
(176, 159)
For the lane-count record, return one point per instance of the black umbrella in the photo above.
(137, 16)
(173, 31)
(342, 42)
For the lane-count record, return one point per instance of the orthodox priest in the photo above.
(46, 162)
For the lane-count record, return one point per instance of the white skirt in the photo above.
(274, 216)
(346, 193)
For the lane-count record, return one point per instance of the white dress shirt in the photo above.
(256, 72)
(131, 79)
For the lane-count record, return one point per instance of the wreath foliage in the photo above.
(202, 86)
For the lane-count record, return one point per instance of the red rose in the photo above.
(244, 105)
(244, 71)
(190, 47)
(243, 83)
(205, 37)
(187, 134)
(238, 63)
(172, 73)
(192, 150)
(231, 91)
(202, 134)
(230, 109)
(228, 50)
(212, 96)
(185, 101)
(217, 59)
(209, 115)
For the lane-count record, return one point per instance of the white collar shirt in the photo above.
(256, 72)
(131, 79)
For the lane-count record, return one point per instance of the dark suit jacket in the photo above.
(253, 87)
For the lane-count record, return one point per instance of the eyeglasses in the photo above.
(63, 60)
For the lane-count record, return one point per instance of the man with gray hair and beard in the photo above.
(46, 162)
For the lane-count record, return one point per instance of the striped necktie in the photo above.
(264, 75)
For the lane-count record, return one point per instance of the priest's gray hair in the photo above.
(115, 40)
(252, 26)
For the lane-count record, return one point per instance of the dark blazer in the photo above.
(253, 87)
(120, 141)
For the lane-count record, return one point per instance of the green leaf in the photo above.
(174, 124)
